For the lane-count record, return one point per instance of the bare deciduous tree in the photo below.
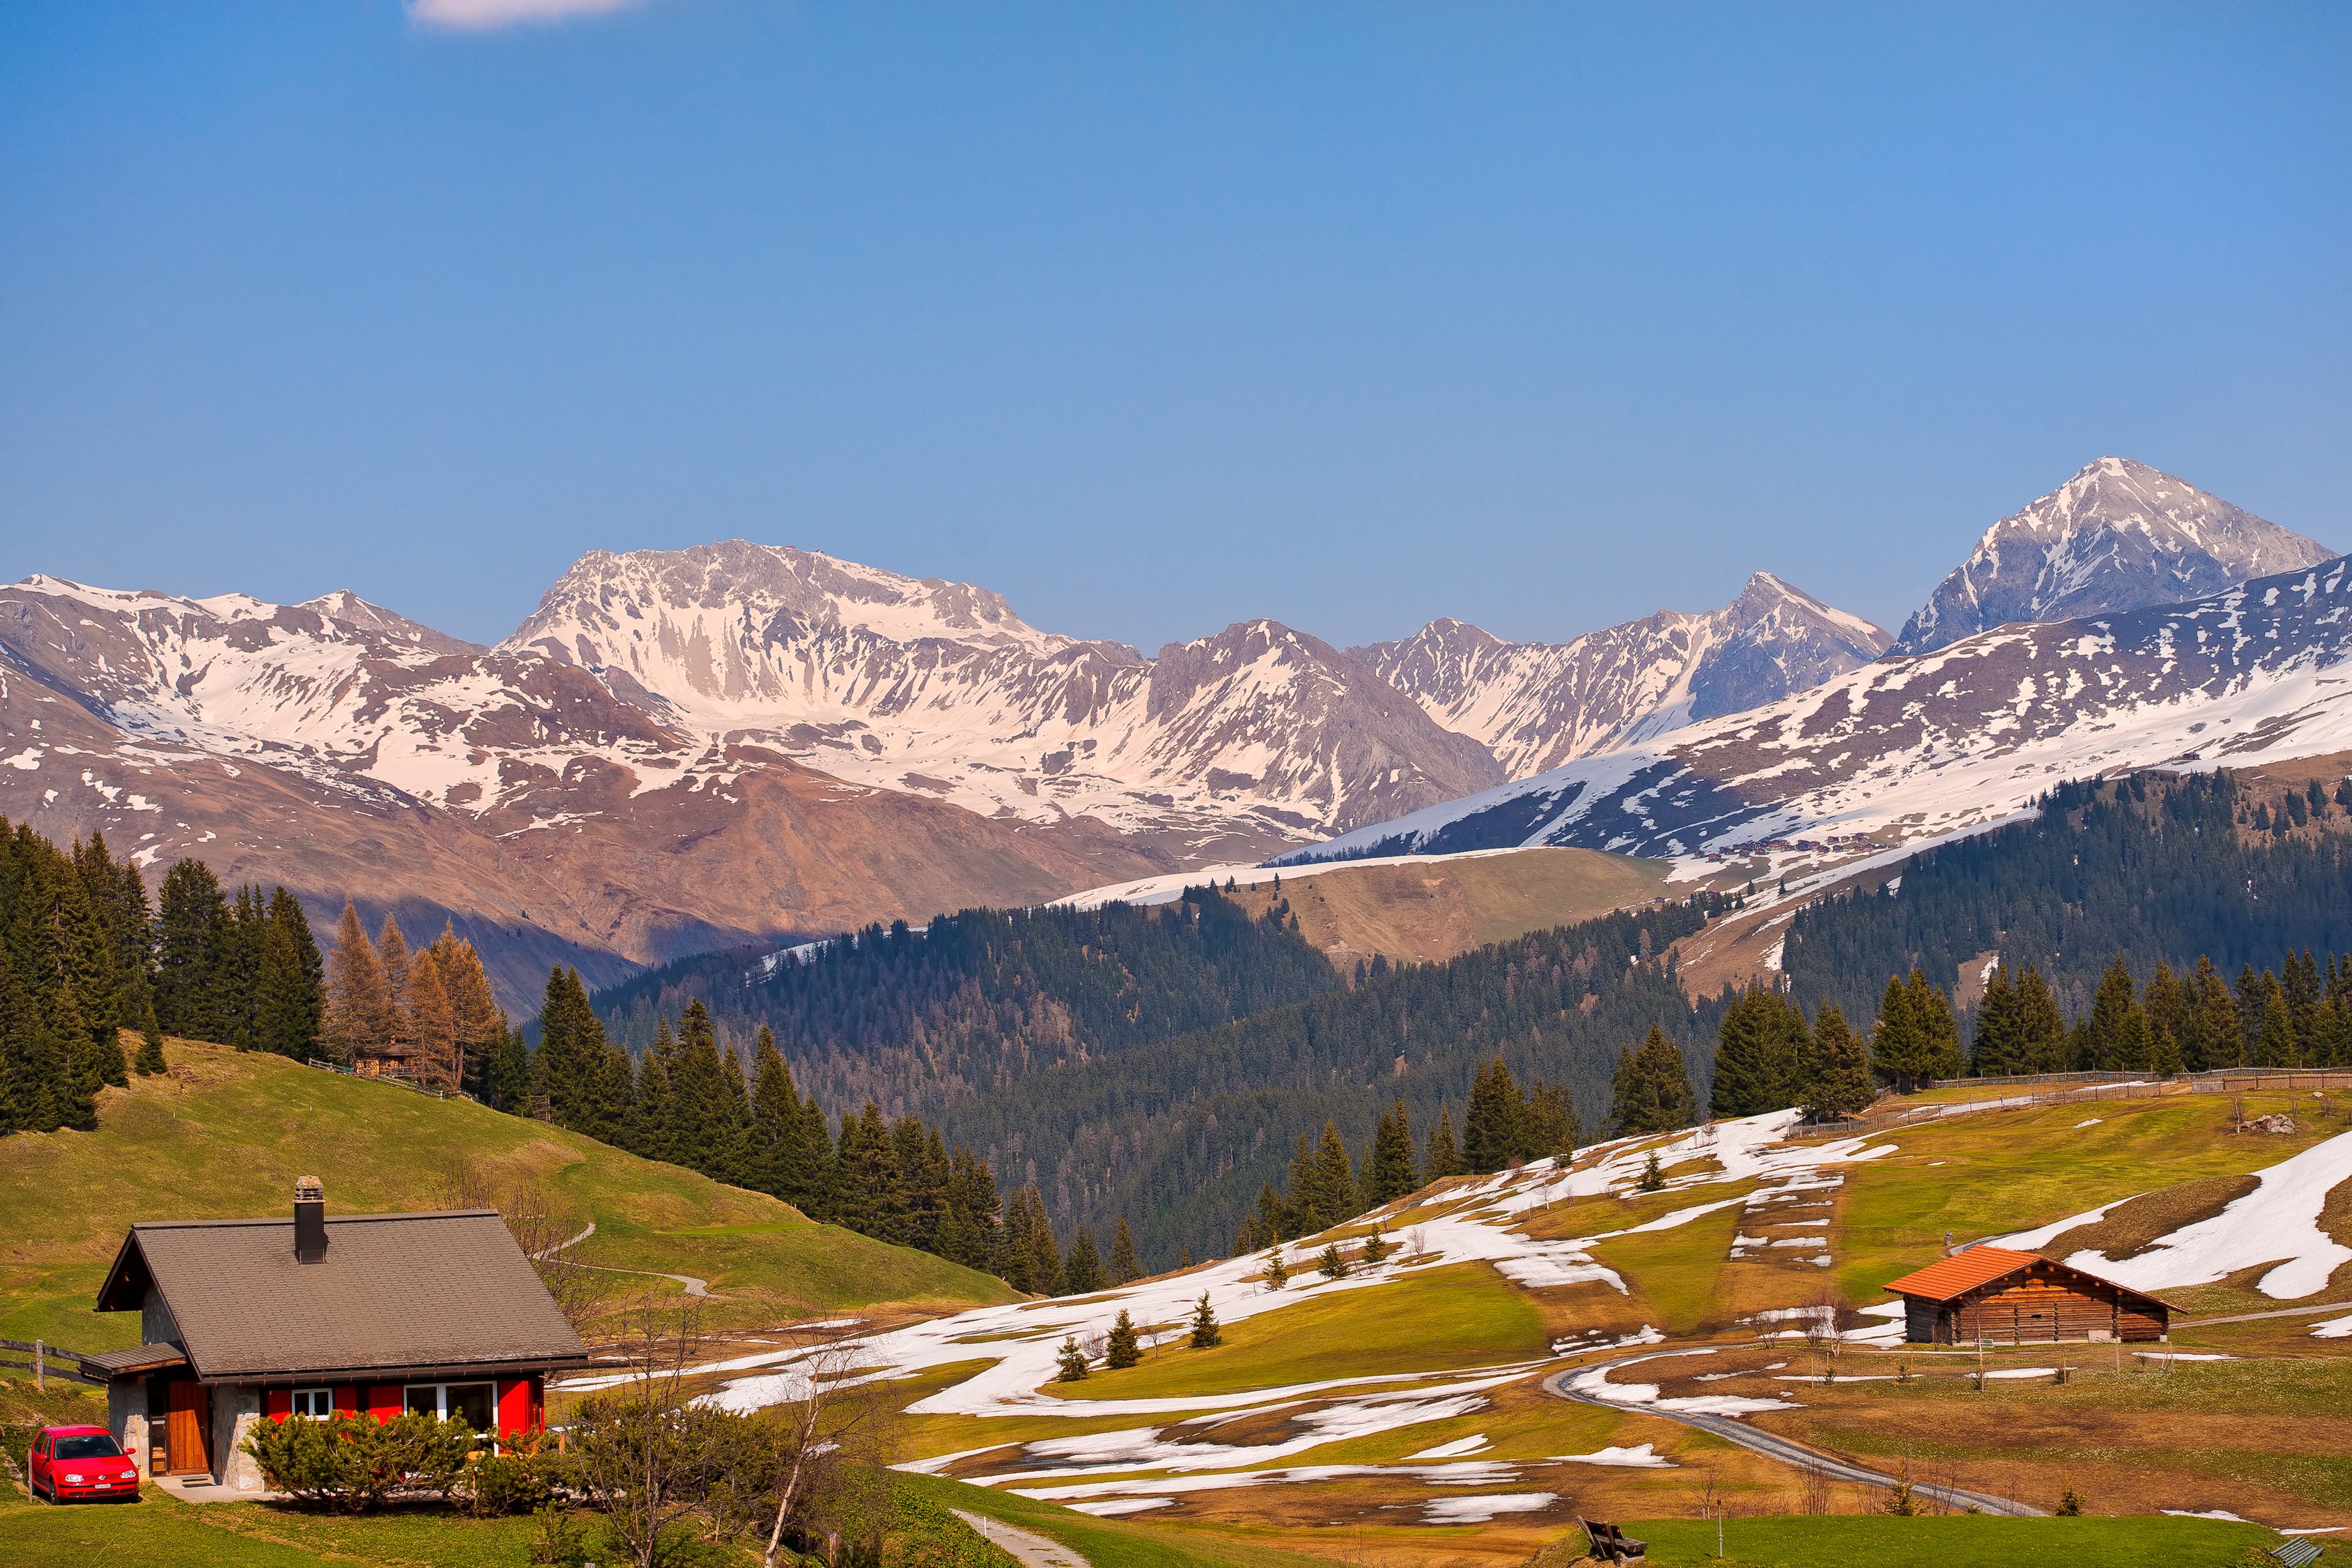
(543, 1231)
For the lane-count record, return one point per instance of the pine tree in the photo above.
(1838, 1081)
(1276, 1273)
(1123, 1349)
(651, 1127)
(1440, 1159)
(1654, 1174)
(1491, 1132)
(1389, 1172)
(1071, 1361)
(1206, 1334)
(1897, 1052)
(1124, 1269)
(358, 1005)
(1375, 1249)
(1652, 1091)
(1330, 1265)
(869, 1191)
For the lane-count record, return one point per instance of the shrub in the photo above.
(562, 1541)
(2070, 1504)
(352, 1463)
(524, 1480)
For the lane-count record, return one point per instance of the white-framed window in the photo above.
(475, 1404)
(318, 1403)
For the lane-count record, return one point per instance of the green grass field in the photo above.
(227, 1134)
(1863, 1542)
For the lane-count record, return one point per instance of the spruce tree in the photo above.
(505, 1074)
(869, 1194)
(1375, 1249)
(2214, 1040)
(1276, 1273)
(1389, 1172)
(1940, 1033)
(1550, 1124)
(191, 940)
(2040, 1027)
(1303, 1209)
(1206, 1334)
(151, 1044)
(1894, 1053)
(1999, 1049)
(1491, 1132)
(1654, 1174)
(1440, 1159)
(1651, 1089)
(1330, 1265)
(1838, 1082)
(775, 1121)
(1082, 1265)
(2275, 1045)
(651, 1128)
(1070, 1360)
(1124, 1269)
(1124, 1348)
(2115, 999)
(1755, 1059)
(1335, 1178)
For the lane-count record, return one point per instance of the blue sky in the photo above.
(1154, 318)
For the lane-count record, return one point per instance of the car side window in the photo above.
(41, 1445)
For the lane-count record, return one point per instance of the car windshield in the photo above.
(88, 1448)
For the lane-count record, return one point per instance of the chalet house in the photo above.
(305, 1316)
(2005, 1297)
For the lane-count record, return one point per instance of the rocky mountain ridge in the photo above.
(2119, 536)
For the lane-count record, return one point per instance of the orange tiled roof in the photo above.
(1962, 1272)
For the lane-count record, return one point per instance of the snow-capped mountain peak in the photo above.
(2119, 536)
(1538, 705)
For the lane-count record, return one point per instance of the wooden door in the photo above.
(185, 1434)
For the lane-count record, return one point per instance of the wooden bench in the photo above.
(1610, 1544)
(2297, 1552)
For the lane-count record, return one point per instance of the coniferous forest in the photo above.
(86, 954)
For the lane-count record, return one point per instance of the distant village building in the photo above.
(305, 1316)
(2004, 1298)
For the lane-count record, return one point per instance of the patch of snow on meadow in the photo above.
(1481, 1509)
(1453, 1450)
(2277, 1223)
(1640, 1456)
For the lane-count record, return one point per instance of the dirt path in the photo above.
(1781, 1448)
(693, 1287)
(1032, 1551)
(2258, 1317)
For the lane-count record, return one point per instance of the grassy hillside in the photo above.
(226, 1133)
(1427, 911)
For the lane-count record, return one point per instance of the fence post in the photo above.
(41, 1374)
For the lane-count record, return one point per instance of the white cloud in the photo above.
(481, 15)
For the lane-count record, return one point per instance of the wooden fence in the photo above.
(2075, 1088)
(49, 1361)
(402, 1079)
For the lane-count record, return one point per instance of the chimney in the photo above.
(310, 1221)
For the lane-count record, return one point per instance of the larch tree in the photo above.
(358, 1010)
(431, 1030)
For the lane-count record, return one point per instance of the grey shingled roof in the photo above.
(138, 1358)
(397, 1291)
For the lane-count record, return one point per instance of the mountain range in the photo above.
(684, 749)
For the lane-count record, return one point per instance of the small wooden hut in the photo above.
(2004, 1298)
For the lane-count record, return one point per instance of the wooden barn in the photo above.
(2005, 1297)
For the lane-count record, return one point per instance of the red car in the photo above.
(69, 1463)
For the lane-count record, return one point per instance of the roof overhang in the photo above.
(454, 1372)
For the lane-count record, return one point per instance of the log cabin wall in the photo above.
(2040, 1310)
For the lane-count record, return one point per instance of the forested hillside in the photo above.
(914, 1019)
(1180, 1135)
(2151, 868)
